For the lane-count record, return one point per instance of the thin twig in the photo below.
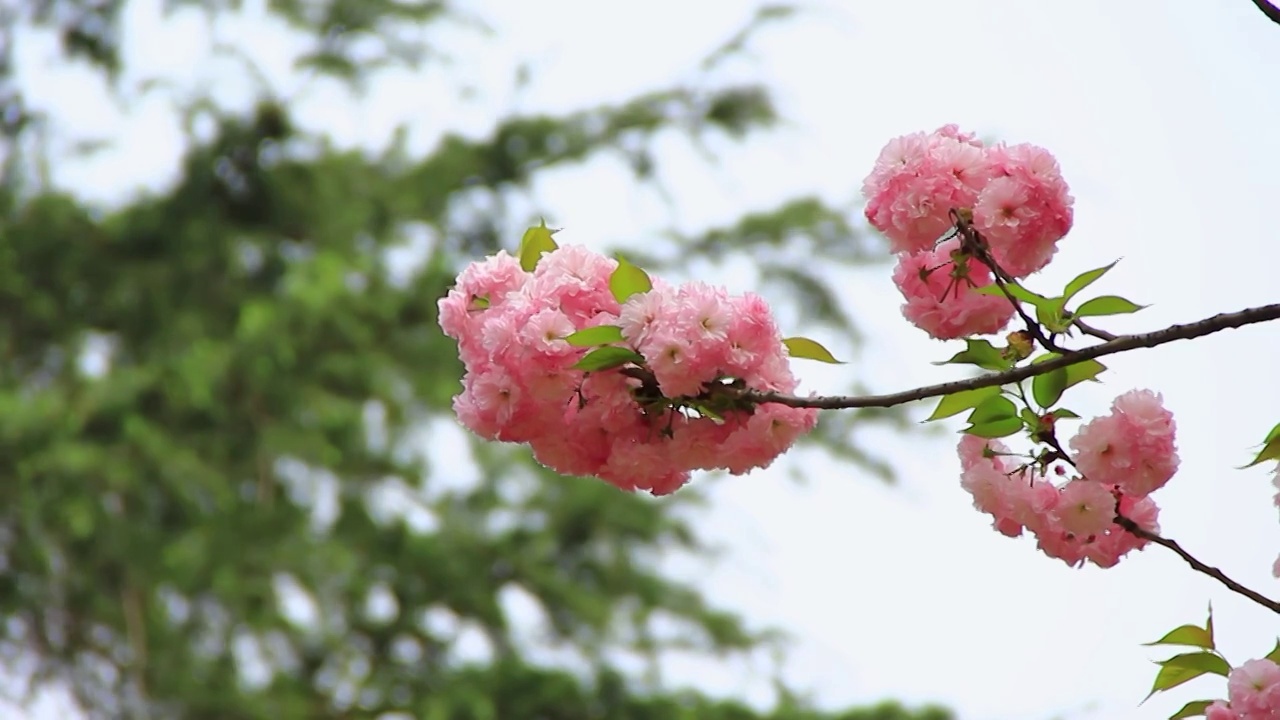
(1088, 329)
(1033, 327)
(972, 242)
(1209, 570)
(1271, 11)
(1134, 528)
(1123, 343)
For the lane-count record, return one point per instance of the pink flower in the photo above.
(482, 286)
(918, 180)
(1254, 690)
(708, 311)
(754, 337)
(643, 429)
(765, 435)
(489, 402)
(1220, 711)
(1012, 495)
(1073, 524)
(940, 295)
(1062, 545)
(639, 313)
(1109, 548)
(1085, 508)
(1132, 448)
(1025, 209)
(575, 281)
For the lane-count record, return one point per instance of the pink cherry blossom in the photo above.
(765, 435)
(1000, 487)
(480, 287)
(1074, 523)
(1219, 710)
(918, 180)
(1132, 448)
(1110, 547)
(1084, 508)
(1025, 209)
(645, 426)
(1015, 195)
(1254, 690)
(941, 298)
(575, 281)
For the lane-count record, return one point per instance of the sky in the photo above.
(1162, 114)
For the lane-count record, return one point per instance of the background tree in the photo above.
(219, 403)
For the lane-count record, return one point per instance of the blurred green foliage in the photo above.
(229, 482)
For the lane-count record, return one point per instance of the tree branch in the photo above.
(1135, 529)
(1208, 326)
(1271, 11)
(1209, 570)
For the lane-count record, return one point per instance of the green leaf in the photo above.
(1049, 314)
(1192, 635)
(801, 347)
(598, 335)
(1271, 451)
(606, 358)
(994, 408)
(995, 428)
(480, 301)
(1082, 371)
(628, 280)
(1270, 448)
(1274, 655)
(1064, 414)
(708, 412)
(1273, 435)
(981, 353)
(1076, 373)
(1107, 305)
(1084, 280)
(536, 240)
(958, 402)
(1203, 661)
(1182, 668)
(1016, 291)
(1191, 709)
(1048, 388)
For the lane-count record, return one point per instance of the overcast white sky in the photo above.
(1163, 114)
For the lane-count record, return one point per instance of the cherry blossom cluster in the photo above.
(1253, 693)
(651, 412)
(1119, 460)
(1012, 195)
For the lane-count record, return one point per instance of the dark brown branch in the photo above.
(973, 243)
(1198, 566)
(1088, 329)
(1208, 326)
(1134, 528)
(1271, 11)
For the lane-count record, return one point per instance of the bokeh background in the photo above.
(232, 485)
